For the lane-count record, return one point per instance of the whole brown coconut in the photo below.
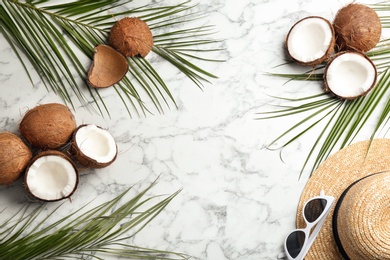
(48, 126)
(357, 27)
(14, 157)
(131, 36)
(108, 67)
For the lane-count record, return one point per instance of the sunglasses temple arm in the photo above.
(312, 237)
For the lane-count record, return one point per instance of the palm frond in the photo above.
(52, 37)
(102, 230)
(342, 120)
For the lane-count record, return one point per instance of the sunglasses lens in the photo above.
(294, 243)
(314, 209)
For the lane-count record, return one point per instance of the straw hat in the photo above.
(358, 226)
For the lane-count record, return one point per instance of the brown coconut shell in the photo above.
(14, 157)
(48, 126)
(108, 67)
(357, 27)
(327, 54)
(131, 36)
(48, 153)
(82, 158)
(325, 77)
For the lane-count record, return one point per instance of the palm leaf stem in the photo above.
(342, 127)
(32, 32)
(303, 76)
(100, 229)
(324, 109)
(160, 13)
(37, 32)
(292, 110)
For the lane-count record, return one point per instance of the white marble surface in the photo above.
(239, 199)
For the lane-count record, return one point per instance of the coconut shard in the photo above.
(350, 75)
(310, 41)
(93, 146)
(108, 67)
(14, 157)
(48, 126)
(357, 27)
(131, 36)
(51, 176)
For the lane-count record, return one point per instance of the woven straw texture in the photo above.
(363, 222)
(333, 176)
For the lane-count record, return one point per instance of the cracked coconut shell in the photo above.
(108, 67)
(48, 126)
(357, 27)
(14, 157)
(131, 36)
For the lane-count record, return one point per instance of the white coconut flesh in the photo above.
(309, 39)
(350, 75)
(51, 177)
(96, 143)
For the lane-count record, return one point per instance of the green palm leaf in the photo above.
(341, 120)
(95, 233)
(52, 37)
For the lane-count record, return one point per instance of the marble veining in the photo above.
(238, 198)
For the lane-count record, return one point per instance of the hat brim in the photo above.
(333, 176)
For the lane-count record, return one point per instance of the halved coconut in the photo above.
(14, 157)
(108, 67)
(51, 176)
(310, 41)
(131, 36)
(357, 27)
(350, 75)
(94, 147)
(48, 126)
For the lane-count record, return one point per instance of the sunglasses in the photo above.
(314, 212)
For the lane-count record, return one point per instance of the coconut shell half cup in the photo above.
(350, 75)
(51, 176)
(310, 41)
(93, 146)
(108, 67)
